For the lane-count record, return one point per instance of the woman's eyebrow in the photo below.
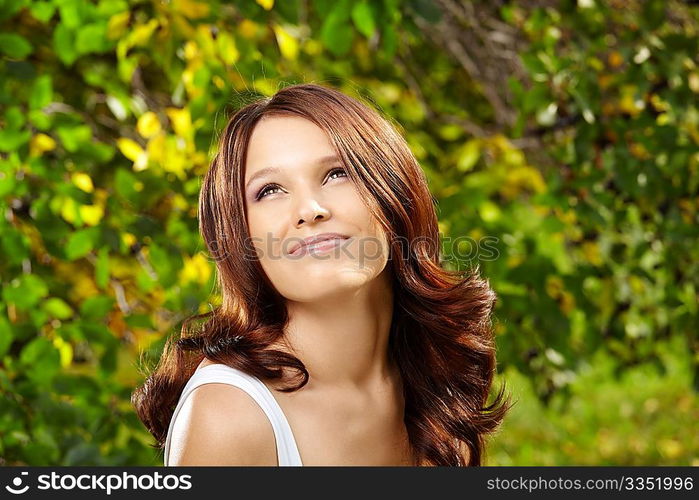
(262, 173)
(324, 160)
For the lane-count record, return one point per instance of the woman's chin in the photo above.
(328, 285)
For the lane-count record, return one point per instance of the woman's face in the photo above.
(295, 188)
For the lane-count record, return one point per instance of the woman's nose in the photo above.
(311, 210)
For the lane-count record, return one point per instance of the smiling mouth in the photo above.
(318, 247)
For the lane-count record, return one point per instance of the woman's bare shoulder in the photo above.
(220, 424)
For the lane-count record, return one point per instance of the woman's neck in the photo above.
(343, 340)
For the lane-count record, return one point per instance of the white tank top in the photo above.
(287, 452)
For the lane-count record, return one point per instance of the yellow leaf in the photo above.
(206, 41)
(196, 268)
(313, 47)
(567, 302)
(41, 143)
(200, 158)
(141, 162)
(514, 260)
(83, 181)
(670, 448)
(288, 45)
(693, 82)
(188, 80)
(476, 233)
(144, 338)
(174, 159)
(266, 4)
(191, 51)
(630, 102)
(468, 155)
(191, 9)
(129, 148)
(219, 82)
(100, 196)
(247, 28)
(181, 121)
(227, 48)
(489, 211)
(65, 351)
(128, 239)
(156, 148)
(179, 202)
(141, 34)
(91, 214)
(554, 286)
(148, 124)
(83, 286)
(513, 157)
(615, 59)
(266, 86)
(639, 151)
(116, 27)
(659, 104)
(68, 209)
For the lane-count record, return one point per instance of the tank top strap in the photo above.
(287, 451)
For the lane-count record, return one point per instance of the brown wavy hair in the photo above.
(441, 333)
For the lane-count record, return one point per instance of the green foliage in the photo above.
(582, 170)
(644, 416)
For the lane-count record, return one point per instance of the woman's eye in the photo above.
(271, 188)
(337, 171)
(265, 191)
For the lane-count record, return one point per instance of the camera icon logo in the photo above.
(17, 483)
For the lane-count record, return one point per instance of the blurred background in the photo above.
(564, 134)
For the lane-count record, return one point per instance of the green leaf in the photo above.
(363, 18)
(42, 92)
(74, 137)
(108, 8)
(14, 118)
(102, 267)
(57, 308)
(40, 120)
(124, 183)
(654, 13)
(64, 43)
(140, 321)
(73, 12)
(337, 33)
(25, 291)
(14, 243)
(166, 263)
(40, 358)
(42, 11)
(14, 46)
(9, 7)
(5, 335)
(96, 308)
(80, 243)
(468, 156)
(7, 184)
(92, 38)
(323, 7)
(389, 41)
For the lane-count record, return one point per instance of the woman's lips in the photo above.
(318, 247)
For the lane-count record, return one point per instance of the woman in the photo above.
(340, 339)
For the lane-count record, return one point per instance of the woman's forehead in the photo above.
(286, 141)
